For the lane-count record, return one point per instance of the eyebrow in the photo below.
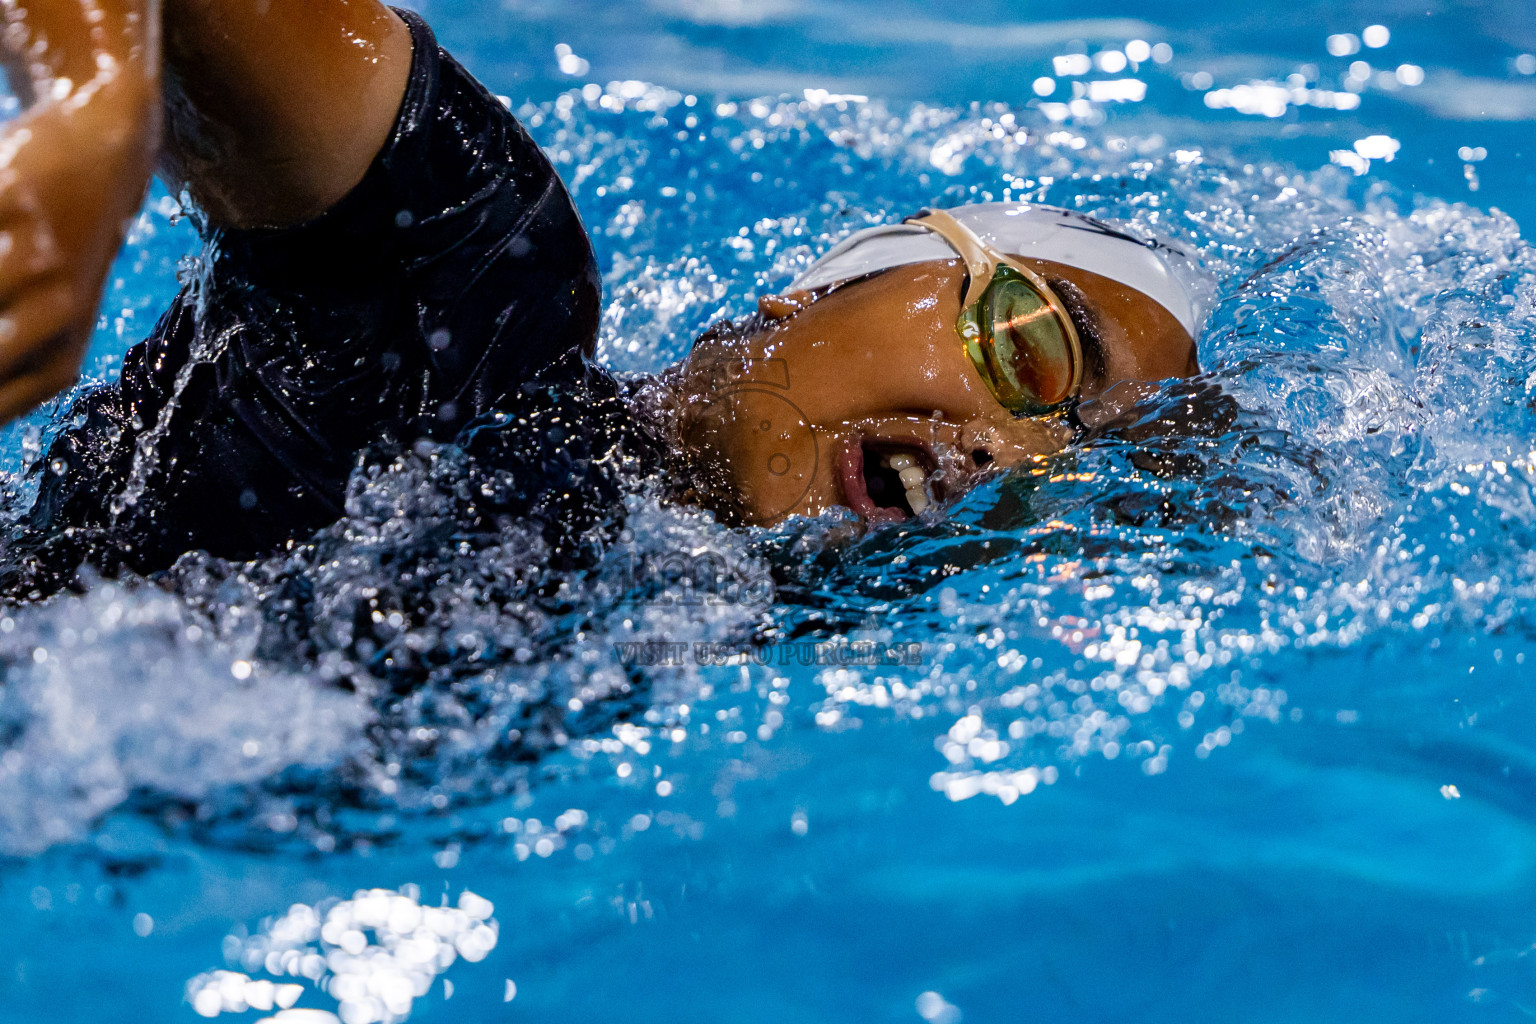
(1090, 329)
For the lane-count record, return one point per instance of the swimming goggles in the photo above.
(1017, 331)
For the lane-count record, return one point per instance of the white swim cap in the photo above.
(1166, 275)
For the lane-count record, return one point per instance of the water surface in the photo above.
(1228, 719)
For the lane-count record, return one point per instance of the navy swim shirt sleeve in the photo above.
(455, 273)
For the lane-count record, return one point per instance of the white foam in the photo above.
(381, 952)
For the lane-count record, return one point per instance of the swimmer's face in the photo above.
(838, 400)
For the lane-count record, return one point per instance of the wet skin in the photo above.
(269, 111)
(796, 416)
(266, 111)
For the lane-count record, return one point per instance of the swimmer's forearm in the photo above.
(74, 51)
(73, 169)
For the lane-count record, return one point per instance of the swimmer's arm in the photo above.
(73, 168)
(276, 108)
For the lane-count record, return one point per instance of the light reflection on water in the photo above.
(1192, 702)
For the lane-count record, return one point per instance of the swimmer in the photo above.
(914, 357)
(389, 259)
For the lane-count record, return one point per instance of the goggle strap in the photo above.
(981, 259)
(980, 262)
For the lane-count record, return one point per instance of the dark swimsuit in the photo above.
(455, 280)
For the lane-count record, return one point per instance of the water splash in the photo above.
(374, 954)
(1353, 471)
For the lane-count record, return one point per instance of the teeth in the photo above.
(913, 480)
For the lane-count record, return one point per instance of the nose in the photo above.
(1007, 441)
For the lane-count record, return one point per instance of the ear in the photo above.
(782, 307)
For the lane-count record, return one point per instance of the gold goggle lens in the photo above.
(1020, 345)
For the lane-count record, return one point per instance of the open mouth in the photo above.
(889, 482)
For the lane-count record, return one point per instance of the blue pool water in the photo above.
(1226, 727)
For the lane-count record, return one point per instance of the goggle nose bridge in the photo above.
(981, 261)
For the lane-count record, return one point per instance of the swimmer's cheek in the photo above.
(758, 457)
